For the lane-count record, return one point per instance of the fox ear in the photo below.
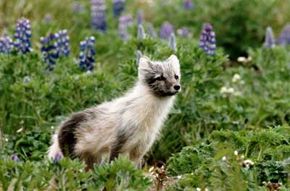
(173, 59)
(145, 62)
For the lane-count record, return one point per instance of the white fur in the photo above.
(54, 149)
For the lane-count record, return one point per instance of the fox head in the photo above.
(162, 77)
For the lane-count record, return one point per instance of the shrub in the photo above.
(221, 162)
(70, 175)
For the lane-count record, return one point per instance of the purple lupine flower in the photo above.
(172, 42)
(87, 54)
(62, 43)
(183, 32)
(151, 31)
(118, 7)
(269, 38)
(124, 22)
(47, 18)
(77, 7)
(6, 44)
(284, 38)
(166, 30)
(141, 33)
(98, 15)
(188, 4)
(207, 39)
(57, 158)
(22, 36)
(15, 158)
(140, 17)
(49, 51)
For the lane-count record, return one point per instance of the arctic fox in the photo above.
(127, 125)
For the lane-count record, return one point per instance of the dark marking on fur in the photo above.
(66, 135)
(90, 160)
(160, 90)
(121, 139)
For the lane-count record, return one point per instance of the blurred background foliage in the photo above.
(240, 24)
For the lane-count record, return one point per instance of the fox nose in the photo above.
(176, 87)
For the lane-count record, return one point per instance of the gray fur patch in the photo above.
(66, 135)
(122, 138)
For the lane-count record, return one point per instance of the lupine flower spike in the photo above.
(172, 42)
(183, 32)
(62, 43)
(98, 15)
(118, 7)
(140, 17)
(6, 44)
(87, 54)
(284, 38)
(269, 38)
(15, 158)
(49, 50)
(141, 34)
(47, 18)
(22, 36)
(151, 31)
(207, 39)
(166, 30)
(124, 22)
(188, 5)
(77, 7)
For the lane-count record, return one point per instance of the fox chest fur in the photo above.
(141, 121)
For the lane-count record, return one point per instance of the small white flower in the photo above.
(88, 72)
(236, 153)
(198, 189)
(237, 93)
(248, 163)
(231, 90)
(244, 59)
(52, 127)
(6, 139)
(236, 78)
(19, 130)
(223, 90)
(206, 189)
(77, 77)
(224, 158)
(179, 177)
(241, 59)
(26, 79)
(227, 91)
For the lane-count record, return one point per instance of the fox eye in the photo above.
(176, 77)
(160, 78)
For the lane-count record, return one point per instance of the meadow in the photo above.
(229, 128)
